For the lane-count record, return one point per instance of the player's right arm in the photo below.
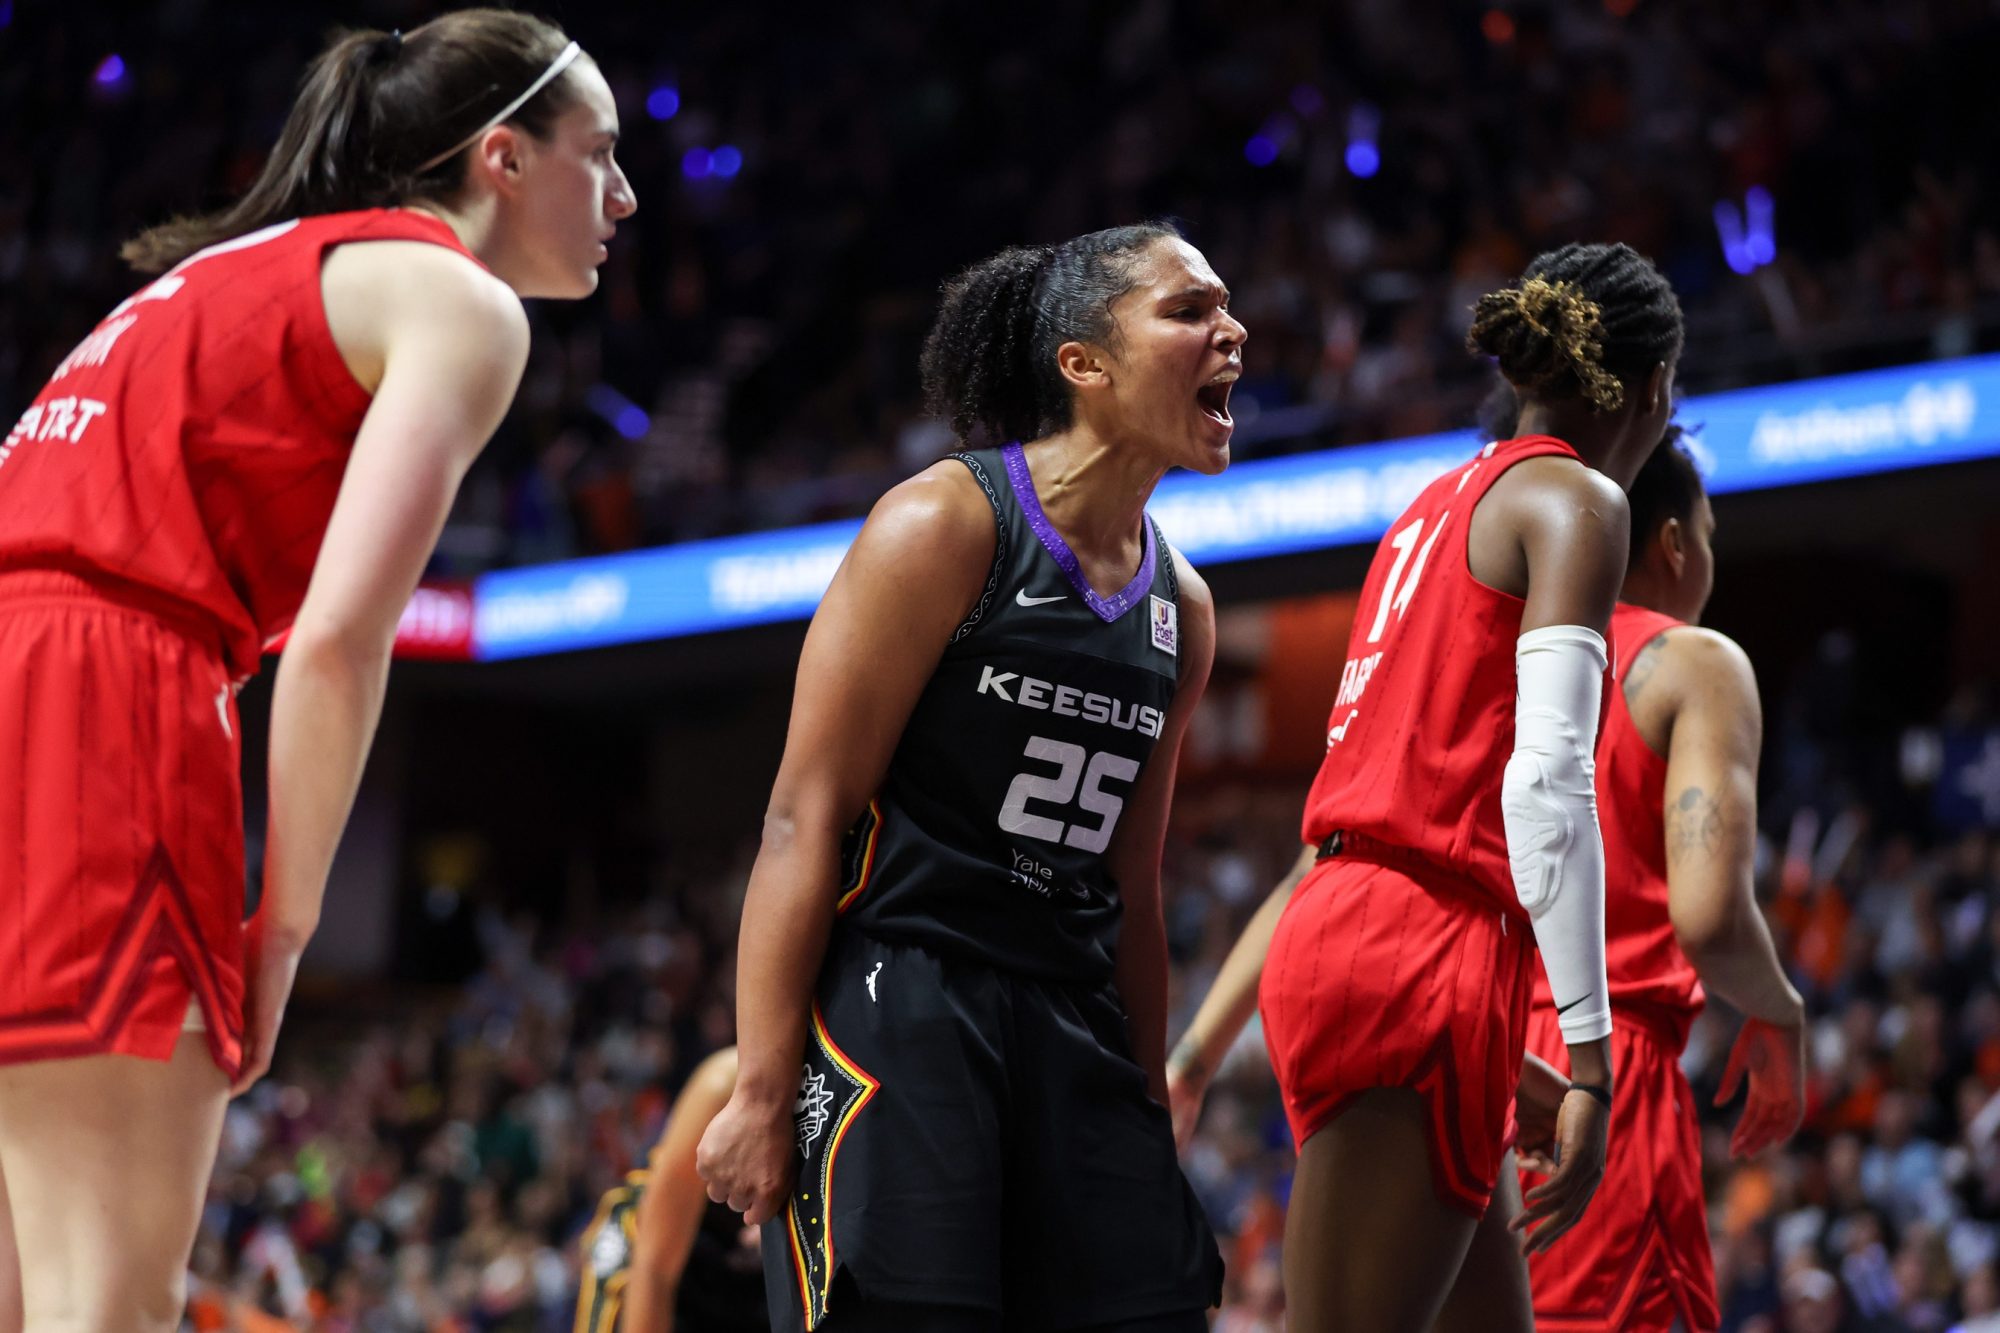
(670, 1209)
(1557, 531)
(917, 567)
(441, 344)
(1711, 826)
(1227, 1006)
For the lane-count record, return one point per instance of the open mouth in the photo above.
(1213, 397)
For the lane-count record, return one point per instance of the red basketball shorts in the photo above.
(1640, 1259)
(121, 827)
(1401, 976)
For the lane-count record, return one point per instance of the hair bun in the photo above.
(1541, 332)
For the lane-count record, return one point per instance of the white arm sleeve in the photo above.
(1549, 800)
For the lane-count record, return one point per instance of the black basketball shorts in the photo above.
(972, 1137)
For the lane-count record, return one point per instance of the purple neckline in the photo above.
(1109, 608)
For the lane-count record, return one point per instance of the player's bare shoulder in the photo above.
(1551, 503)
(941, 512)
(932, 535)
(1557, 488)
(1683, 668)
(1695, 662)
(376, 291)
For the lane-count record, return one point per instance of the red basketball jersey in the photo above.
(192, 445)
(1424, 721)
(1648, 973)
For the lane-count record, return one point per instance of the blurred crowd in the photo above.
(1806, 173)
(429, 1169)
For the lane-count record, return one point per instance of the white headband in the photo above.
(562, 62)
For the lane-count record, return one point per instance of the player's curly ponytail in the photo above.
(1584, 321)
(373, 112)
(989, 363)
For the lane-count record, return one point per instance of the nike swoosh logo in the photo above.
(1021, 596)
(1562, 1009)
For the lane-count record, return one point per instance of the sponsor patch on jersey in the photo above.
(1166, 626)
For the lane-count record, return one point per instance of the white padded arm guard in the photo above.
(1549, 800)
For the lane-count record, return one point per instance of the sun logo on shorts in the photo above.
(610, 1252)
(810, 1110)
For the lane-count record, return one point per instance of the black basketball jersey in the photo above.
(988, 834)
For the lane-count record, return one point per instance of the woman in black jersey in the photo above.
(954, 922)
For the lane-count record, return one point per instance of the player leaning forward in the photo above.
(265, 438)
(954, 922)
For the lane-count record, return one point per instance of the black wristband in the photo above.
(1592, 1090)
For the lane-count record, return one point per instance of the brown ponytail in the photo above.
(373, 107)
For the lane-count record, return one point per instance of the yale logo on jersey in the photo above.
(1166, 626)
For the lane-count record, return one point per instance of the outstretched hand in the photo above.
(1773, 1058)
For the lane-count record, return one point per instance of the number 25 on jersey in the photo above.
(1074, 763)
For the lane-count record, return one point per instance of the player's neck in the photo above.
(1643, 589)
(476, 226)
(1598, 437)
(1093, 491)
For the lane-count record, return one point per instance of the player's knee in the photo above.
(135, 1297)
(161, 1302)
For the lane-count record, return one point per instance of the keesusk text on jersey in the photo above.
(1068, 701)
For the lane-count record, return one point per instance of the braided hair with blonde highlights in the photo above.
(1584, 321)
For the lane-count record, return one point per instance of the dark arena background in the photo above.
(529, 937)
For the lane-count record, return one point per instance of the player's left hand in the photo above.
(1537, 1105)
(1557, 1204)
(1774, 1058)
(270, 968)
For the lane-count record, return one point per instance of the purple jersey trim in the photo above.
(1109, 608)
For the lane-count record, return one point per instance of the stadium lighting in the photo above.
(1749, 237)
(1364, 155)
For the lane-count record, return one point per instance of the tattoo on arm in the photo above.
(1186, 1057)
(1642, 668)
(1694, 824)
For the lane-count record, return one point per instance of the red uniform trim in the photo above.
(867, 870)
(161, 919)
